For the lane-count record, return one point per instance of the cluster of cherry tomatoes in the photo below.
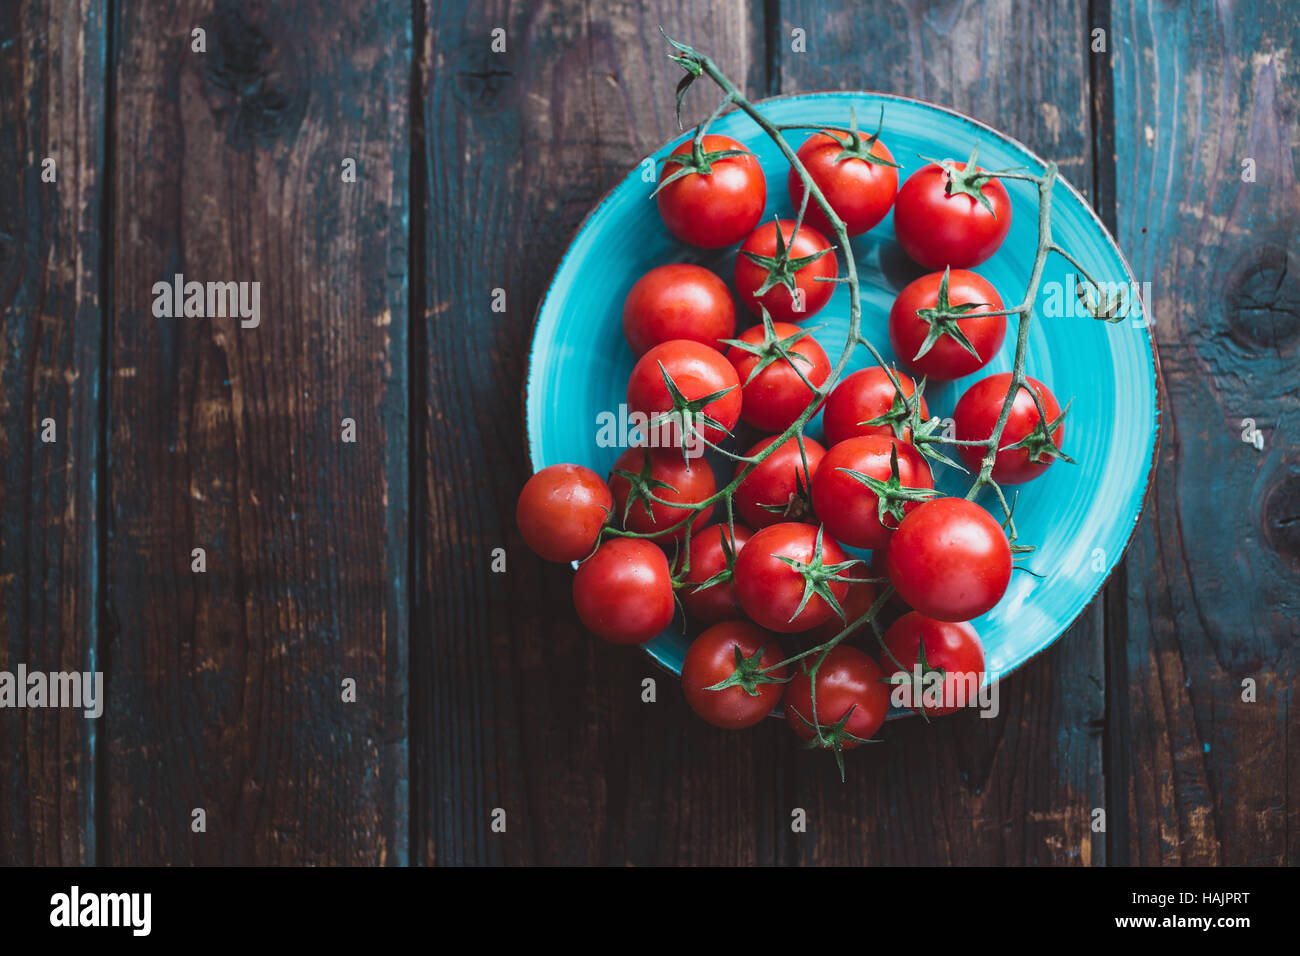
(767, 557)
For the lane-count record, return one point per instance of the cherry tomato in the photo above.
(664, 473)
(938, 229)
(848, 507)
(846, 680)
(678, 301)
(977, 413)
(861, 192)
(718, 208)
(624, 592)
(946, 358)
(862, 594)
(775, 396)
(711, 660)
(780, 304)
(865, 395)
(698, 372)
(561, 510)
(951, 647)
(707, 560)
(770, 590)
(779, 487)
(949, 559)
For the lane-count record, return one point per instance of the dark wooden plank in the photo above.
(1213, 574)
(1019, 788)
(226, 686)
(52, 85)
(515, 706)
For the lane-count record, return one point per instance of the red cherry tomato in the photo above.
(666, 474)
(780, 304)
(846, 680)
(770, 590)
(951, 647)
(624, 592)
(779, 487)
(865, 395)
(937, 229)
(777, 395)
(678, 301)
(698, 372)
(977, 413)
(711, 660)
(950, 560)
(707, 560)
(946, 358)
(848, 507)
(716, 209)
(561, 510)
(860, 192)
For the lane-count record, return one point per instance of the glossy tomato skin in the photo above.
(691, 480)
(775, 482)
(938, 230)
(776, 396)
(946, 359)
(849, 509)
(707, 558)
(861, 193)
(624, 592)
(861, 596)
(866, 394)
(847, 678)
(711, 659)
(718, 209)
(777, 300)
(678, 301)
(697, 371)
(770, 590)
(951, 646)
(950, 560)
(561, 510)
(977, 413)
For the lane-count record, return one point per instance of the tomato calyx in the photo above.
(968, 181)
(641, 487)
(832, 736)
(748, 674)
(688, 411)
(799, 505)
(903, 411)
(726, 574)
(772, 349)
(688, 61)
(698, 161)
(857, 146)
(925, 441)
(917, 682)
(942, 319)
(818, 575)
(892, 495)
(1039, 444)
(781, 268)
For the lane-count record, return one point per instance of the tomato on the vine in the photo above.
(642, 474)
(774, 392)
(949, 559)
(717, 201)
(561, 511)
(860, 189)
(707, 557)
(624, 592)
(707, 391)
(790, 595)
(949, 217)
(852, 699)
(782, 275)
(1026, 448)
(951, 647)
(853, 479)
(939, 328)
(712, 660)
(780, 486)
(678, 301)
(869, 395)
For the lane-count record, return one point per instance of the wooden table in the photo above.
(371, 560)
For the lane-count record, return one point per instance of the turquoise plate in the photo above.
(1080, 517)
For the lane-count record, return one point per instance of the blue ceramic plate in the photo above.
(1080, 517)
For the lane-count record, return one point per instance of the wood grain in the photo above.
(52, 87)
(226, 687)
(1213, 583)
